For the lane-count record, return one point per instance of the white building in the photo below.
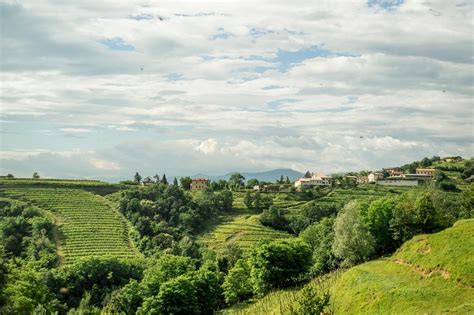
(398, 181)
(316, 179)
(374, 177)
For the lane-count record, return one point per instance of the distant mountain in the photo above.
(269, 176)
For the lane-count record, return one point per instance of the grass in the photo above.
(281, 301)
(88, 224)
(429, 274)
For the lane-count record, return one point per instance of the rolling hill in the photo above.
(88, 224)
(430, 274)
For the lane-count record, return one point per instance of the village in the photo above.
(392, 176)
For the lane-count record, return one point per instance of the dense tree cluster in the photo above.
(165, 216)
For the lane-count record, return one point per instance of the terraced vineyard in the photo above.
(88, 223)
(244, 229)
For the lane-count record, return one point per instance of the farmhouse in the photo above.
(394, 171)
(316, 179)
(425, 171)
(398, 181)
(452, 158)
(199, 183)
(362, 179)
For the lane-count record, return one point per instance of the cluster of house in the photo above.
(398, 178)
(316, 179)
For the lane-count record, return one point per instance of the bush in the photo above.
(352, 241)
(273, 217)
(278, 264)
(320, 237)
(447, 186)
(237, 285)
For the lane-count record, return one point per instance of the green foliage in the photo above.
(228, 256)
(197, 292)
(429, 274)
(278, 264)
(352, 241)
(378, 217)
(27, 291)
(165, 268)
(185, 182)
(252, 182)
(97, 275)
(257, 201)
(311, 300)
(273, 217)
(237, 285)
(320, 237)
(137, 178)
(236, 181)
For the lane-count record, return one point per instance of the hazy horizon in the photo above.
(106, 88)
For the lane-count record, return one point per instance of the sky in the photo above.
(101, 89)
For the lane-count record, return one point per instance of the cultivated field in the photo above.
(88, 224)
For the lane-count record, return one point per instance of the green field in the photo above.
(429, 274)
(88, 224)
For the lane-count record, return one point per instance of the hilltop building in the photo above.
(374, 177)
(452, 159)
(199, 183)
(316, 179)
(398, 181)
(394, 171)
(426, 171)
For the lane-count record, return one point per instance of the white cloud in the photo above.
(406, 88)
(105, 165)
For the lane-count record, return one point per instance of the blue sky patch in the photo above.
(287, 59)
(140, 17)
(277, 103)
(117, 43)
(387, 5)
(174, 76)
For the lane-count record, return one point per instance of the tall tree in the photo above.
(352, 241)
(137, 177)
(164, 180)
(307, 174)
(236, 180)
(175, 182)
(186, 182)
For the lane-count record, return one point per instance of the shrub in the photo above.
(352, 241)
(237, 285)
(279, 263)
(320, 237)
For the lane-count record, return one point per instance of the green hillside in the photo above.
(429, 274)
(87, 223)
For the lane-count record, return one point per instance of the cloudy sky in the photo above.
(106, 88)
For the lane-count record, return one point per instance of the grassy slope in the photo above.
(429, 274)
(88, 224)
